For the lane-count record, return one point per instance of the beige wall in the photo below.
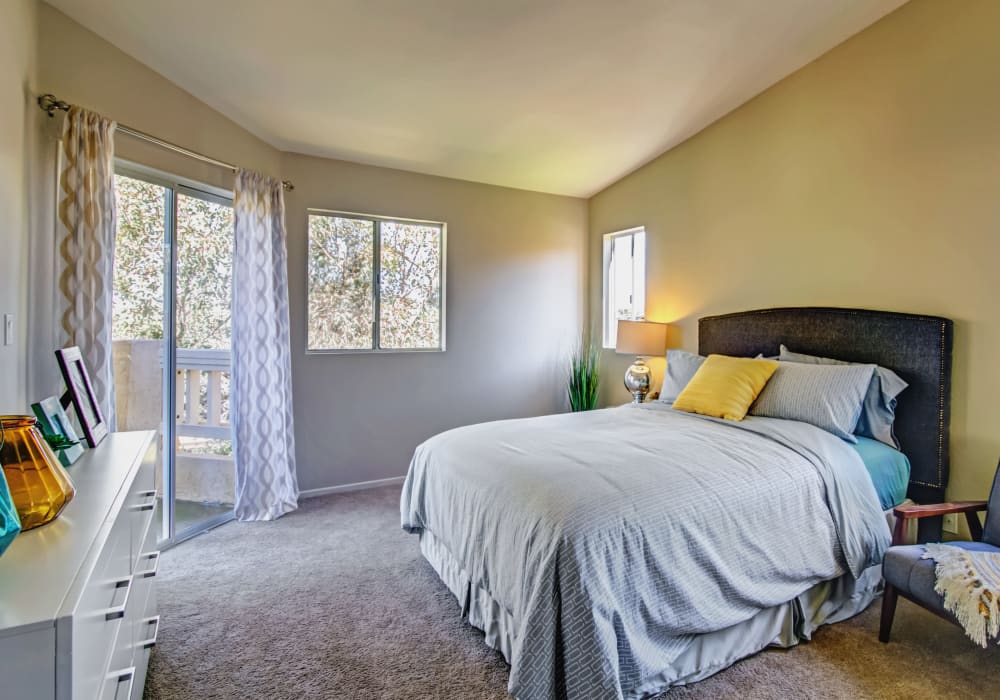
(82, 68)
(870, 178)
(17, 67)
(516, 270)
(516, 286)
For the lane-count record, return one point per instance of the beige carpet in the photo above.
(334, 601)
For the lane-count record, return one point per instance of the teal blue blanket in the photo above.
(889, 469)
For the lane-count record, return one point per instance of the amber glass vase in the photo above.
(39, 486)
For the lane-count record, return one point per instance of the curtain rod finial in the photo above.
(49, 104)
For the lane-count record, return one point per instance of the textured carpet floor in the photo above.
(335, 601)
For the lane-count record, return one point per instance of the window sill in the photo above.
(381, 351)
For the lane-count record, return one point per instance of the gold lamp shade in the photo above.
(39, 486)
(641, 338)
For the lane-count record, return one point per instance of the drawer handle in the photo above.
(148, 504)
(125, 674)
(151, 571)
(118, 611)
(151, 642)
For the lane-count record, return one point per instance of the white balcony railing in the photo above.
(204, 469)
(203, 394)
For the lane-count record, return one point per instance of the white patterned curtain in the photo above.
(266, 484)
(86, 245)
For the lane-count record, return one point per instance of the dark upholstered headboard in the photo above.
(917, 348)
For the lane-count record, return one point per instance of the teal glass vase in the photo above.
(10, 523)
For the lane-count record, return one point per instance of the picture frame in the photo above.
(80, 392)
(54, 423)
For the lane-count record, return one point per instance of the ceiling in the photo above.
(561, 96)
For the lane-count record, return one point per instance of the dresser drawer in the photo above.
(119, 684)
(141, 501)
(146, 631)
(121, 678)
(101, 612)
(120, 663)
(145, 573)
(136, 632)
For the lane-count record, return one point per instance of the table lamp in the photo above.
(640, 338)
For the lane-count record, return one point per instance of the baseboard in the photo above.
(347, 488)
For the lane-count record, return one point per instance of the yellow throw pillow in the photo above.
(725, 386)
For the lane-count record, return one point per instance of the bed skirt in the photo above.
(783, 625)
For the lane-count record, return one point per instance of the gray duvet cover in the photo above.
(610, 537)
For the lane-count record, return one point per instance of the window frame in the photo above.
(638, 304)
(174, 185)
(377, 221)
(162, 178)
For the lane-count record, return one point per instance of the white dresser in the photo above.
(77, 595)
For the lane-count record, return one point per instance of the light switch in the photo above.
(8, 329)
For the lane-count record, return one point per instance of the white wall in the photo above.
(516, 289)
(82, 68)
(17, 68)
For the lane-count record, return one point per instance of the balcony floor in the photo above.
(188, 513)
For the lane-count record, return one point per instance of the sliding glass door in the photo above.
(172, 336)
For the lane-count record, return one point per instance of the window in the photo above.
(624, 280)
(375, 284)
(202, 236)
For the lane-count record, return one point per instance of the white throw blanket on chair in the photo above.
(970, 584)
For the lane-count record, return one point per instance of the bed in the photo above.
(616, 553)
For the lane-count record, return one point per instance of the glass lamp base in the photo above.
(637, 380)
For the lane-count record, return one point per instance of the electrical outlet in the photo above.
(8, 329)
(951, 523)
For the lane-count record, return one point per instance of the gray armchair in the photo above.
(907, 575)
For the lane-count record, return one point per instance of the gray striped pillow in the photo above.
(878, 410)
(827, 396)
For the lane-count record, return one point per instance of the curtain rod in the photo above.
(49, 104)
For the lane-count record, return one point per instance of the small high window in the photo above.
(624, 280)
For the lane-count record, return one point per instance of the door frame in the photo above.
(174, 185)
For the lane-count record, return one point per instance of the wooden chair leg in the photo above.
(889, 598)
